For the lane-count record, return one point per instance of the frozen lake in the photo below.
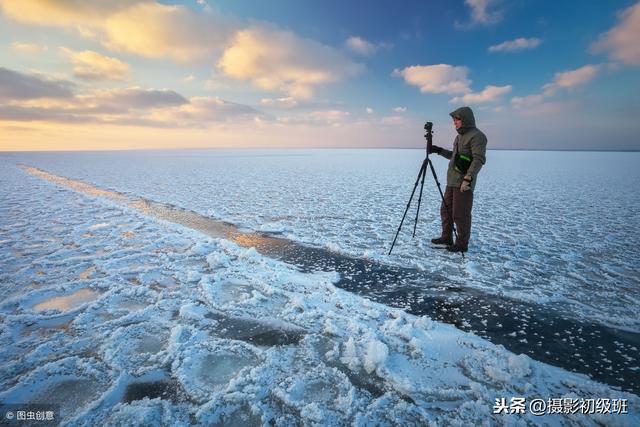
(553, 231)
(549, 227)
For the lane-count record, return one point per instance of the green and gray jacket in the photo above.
(470, 142)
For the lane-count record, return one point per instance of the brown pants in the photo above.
(459, 204)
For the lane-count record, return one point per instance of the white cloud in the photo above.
(31, 48)
(565, 80)
(622, 41)
(488, 94)
(283, 103)
(90, 65)
(63, 13)
(274, 59)
(156, 30)
(527, 101)
(571, 79)
(142, 27)
(441, 78)
(205, 5)
(400, 109)
(481, 14)
(370, 110)
(270, 58)
(360, 46)
(520, 43)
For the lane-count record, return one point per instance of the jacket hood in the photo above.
(466, 115)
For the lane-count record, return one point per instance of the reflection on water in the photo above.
(67, 302)
(76, 185)
(186, 218)
(250, 240)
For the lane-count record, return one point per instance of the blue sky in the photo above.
(284, 73)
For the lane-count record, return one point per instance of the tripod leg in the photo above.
(423, 171)
(447, 207)
(415, 223)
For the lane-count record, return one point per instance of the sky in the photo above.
(144, 74)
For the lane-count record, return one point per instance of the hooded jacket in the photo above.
(469, 142)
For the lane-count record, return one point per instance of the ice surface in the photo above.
(549, 227)
(157, 344)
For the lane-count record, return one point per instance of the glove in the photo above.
(435, 149)
(466, 184)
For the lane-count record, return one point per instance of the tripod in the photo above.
(423, 172)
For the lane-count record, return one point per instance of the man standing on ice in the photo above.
(466, 159)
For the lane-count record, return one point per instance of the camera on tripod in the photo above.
(421, 175)
(427, 127)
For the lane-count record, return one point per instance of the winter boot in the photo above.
(442, 241)
(456, 248)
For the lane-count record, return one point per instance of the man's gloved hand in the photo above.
(466, 184)
(435, 149)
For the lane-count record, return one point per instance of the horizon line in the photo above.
(632, 150)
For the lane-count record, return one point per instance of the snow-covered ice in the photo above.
(120, 318)
(558, 228)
